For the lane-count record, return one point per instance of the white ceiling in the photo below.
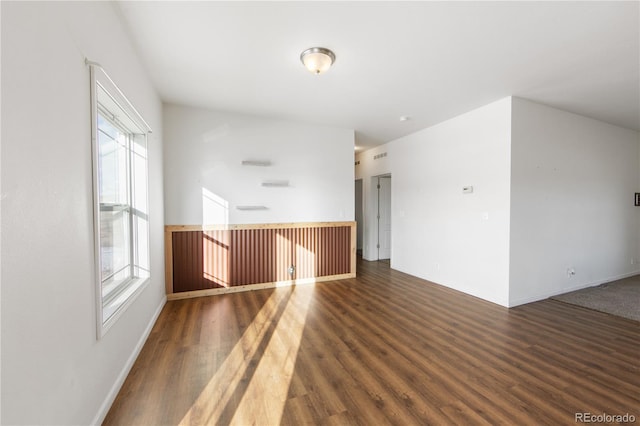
(427, 60)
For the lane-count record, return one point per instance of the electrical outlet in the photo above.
(291, 270)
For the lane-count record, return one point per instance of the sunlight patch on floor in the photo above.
(215, 396)
(264, 400)
(237, 390)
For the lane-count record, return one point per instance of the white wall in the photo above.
(439, 234)
(204, 150)
(54, 371)
(573, 181)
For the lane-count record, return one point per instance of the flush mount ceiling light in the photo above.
(317, 59)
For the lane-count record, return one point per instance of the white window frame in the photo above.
(108, 101)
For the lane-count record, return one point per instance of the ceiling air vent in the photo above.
(376, 157)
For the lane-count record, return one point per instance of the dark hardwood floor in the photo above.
(384, 348)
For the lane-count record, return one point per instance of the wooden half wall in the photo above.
(211, 260)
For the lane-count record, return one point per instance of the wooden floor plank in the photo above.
(382, 348)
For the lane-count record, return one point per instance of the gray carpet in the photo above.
(621, 298)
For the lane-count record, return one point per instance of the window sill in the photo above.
(119, 305)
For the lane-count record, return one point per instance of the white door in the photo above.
(384, 217)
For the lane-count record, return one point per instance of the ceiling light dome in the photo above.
(317, 59)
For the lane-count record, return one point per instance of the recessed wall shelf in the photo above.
(259, 163)
(251, 207)
(275, 183)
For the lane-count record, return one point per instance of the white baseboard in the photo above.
(546, 295)
(113, 392)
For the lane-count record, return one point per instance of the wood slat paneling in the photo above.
(222, 258)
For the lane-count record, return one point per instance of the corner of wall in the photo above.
(126, 368)
(568, 172)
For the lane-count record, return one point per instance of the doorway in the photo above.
(359, 212)
(384, 217)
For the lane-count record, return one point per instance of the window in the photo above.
(120, 199)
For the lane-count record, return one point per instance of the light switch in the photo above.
(467, 189)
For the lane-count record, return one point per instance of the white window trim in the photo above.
(135, 285)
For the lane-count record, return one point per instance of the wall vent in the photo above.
(275, 183)
(376, 157)
(249, 208)
(259, 163)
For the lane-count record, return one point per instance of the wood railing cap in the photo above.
(231, 227)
